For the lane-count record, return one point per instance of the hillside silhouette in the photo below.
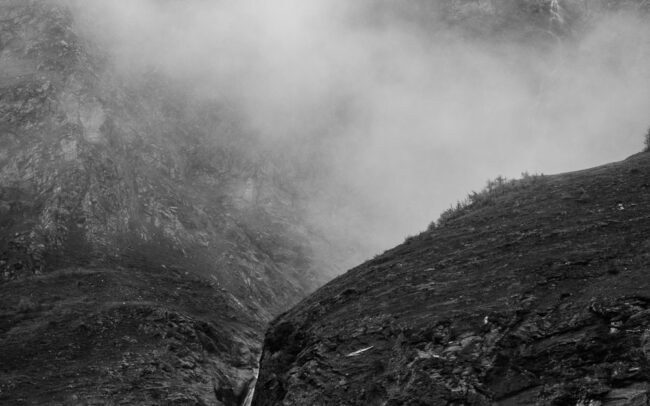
(537, 296)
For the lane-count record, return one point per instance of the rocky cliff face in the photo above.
(529, 21)
(536, 294)
(145, 235)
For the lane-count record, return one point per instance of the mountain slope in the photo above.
(536, 294)
(145, 236)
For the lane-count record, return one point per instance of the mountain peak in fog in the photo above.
(175, 174)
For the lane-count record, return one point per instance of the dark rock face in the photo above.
(95, 336)
(537, 296)
(100, 168)
(145, 236)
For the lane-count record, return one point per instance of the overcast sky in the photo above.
(407, 120)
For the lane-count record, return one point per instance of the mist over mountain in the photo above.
(383, 100)
(146, 235)
(176, 173)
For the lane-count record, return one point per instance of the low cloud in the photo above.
(400, 112)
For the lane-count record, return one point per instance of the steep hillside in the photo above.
(536, 294)
(145, 236)
(149, 230)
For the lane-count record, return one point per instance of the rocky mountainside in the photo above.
(146, 237)
(529, 21)
(536, 293)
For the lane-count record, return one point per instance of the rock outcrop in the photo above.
(536, 294)
(146, 237)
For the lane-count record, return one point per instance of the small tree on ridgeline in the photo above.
(647, 141)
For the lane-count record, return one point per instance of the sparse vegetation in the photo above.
(646, 141)
(409, 239)
(493, 189)
(560, 265)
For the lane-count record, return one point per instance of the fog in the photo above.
(401, 115)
